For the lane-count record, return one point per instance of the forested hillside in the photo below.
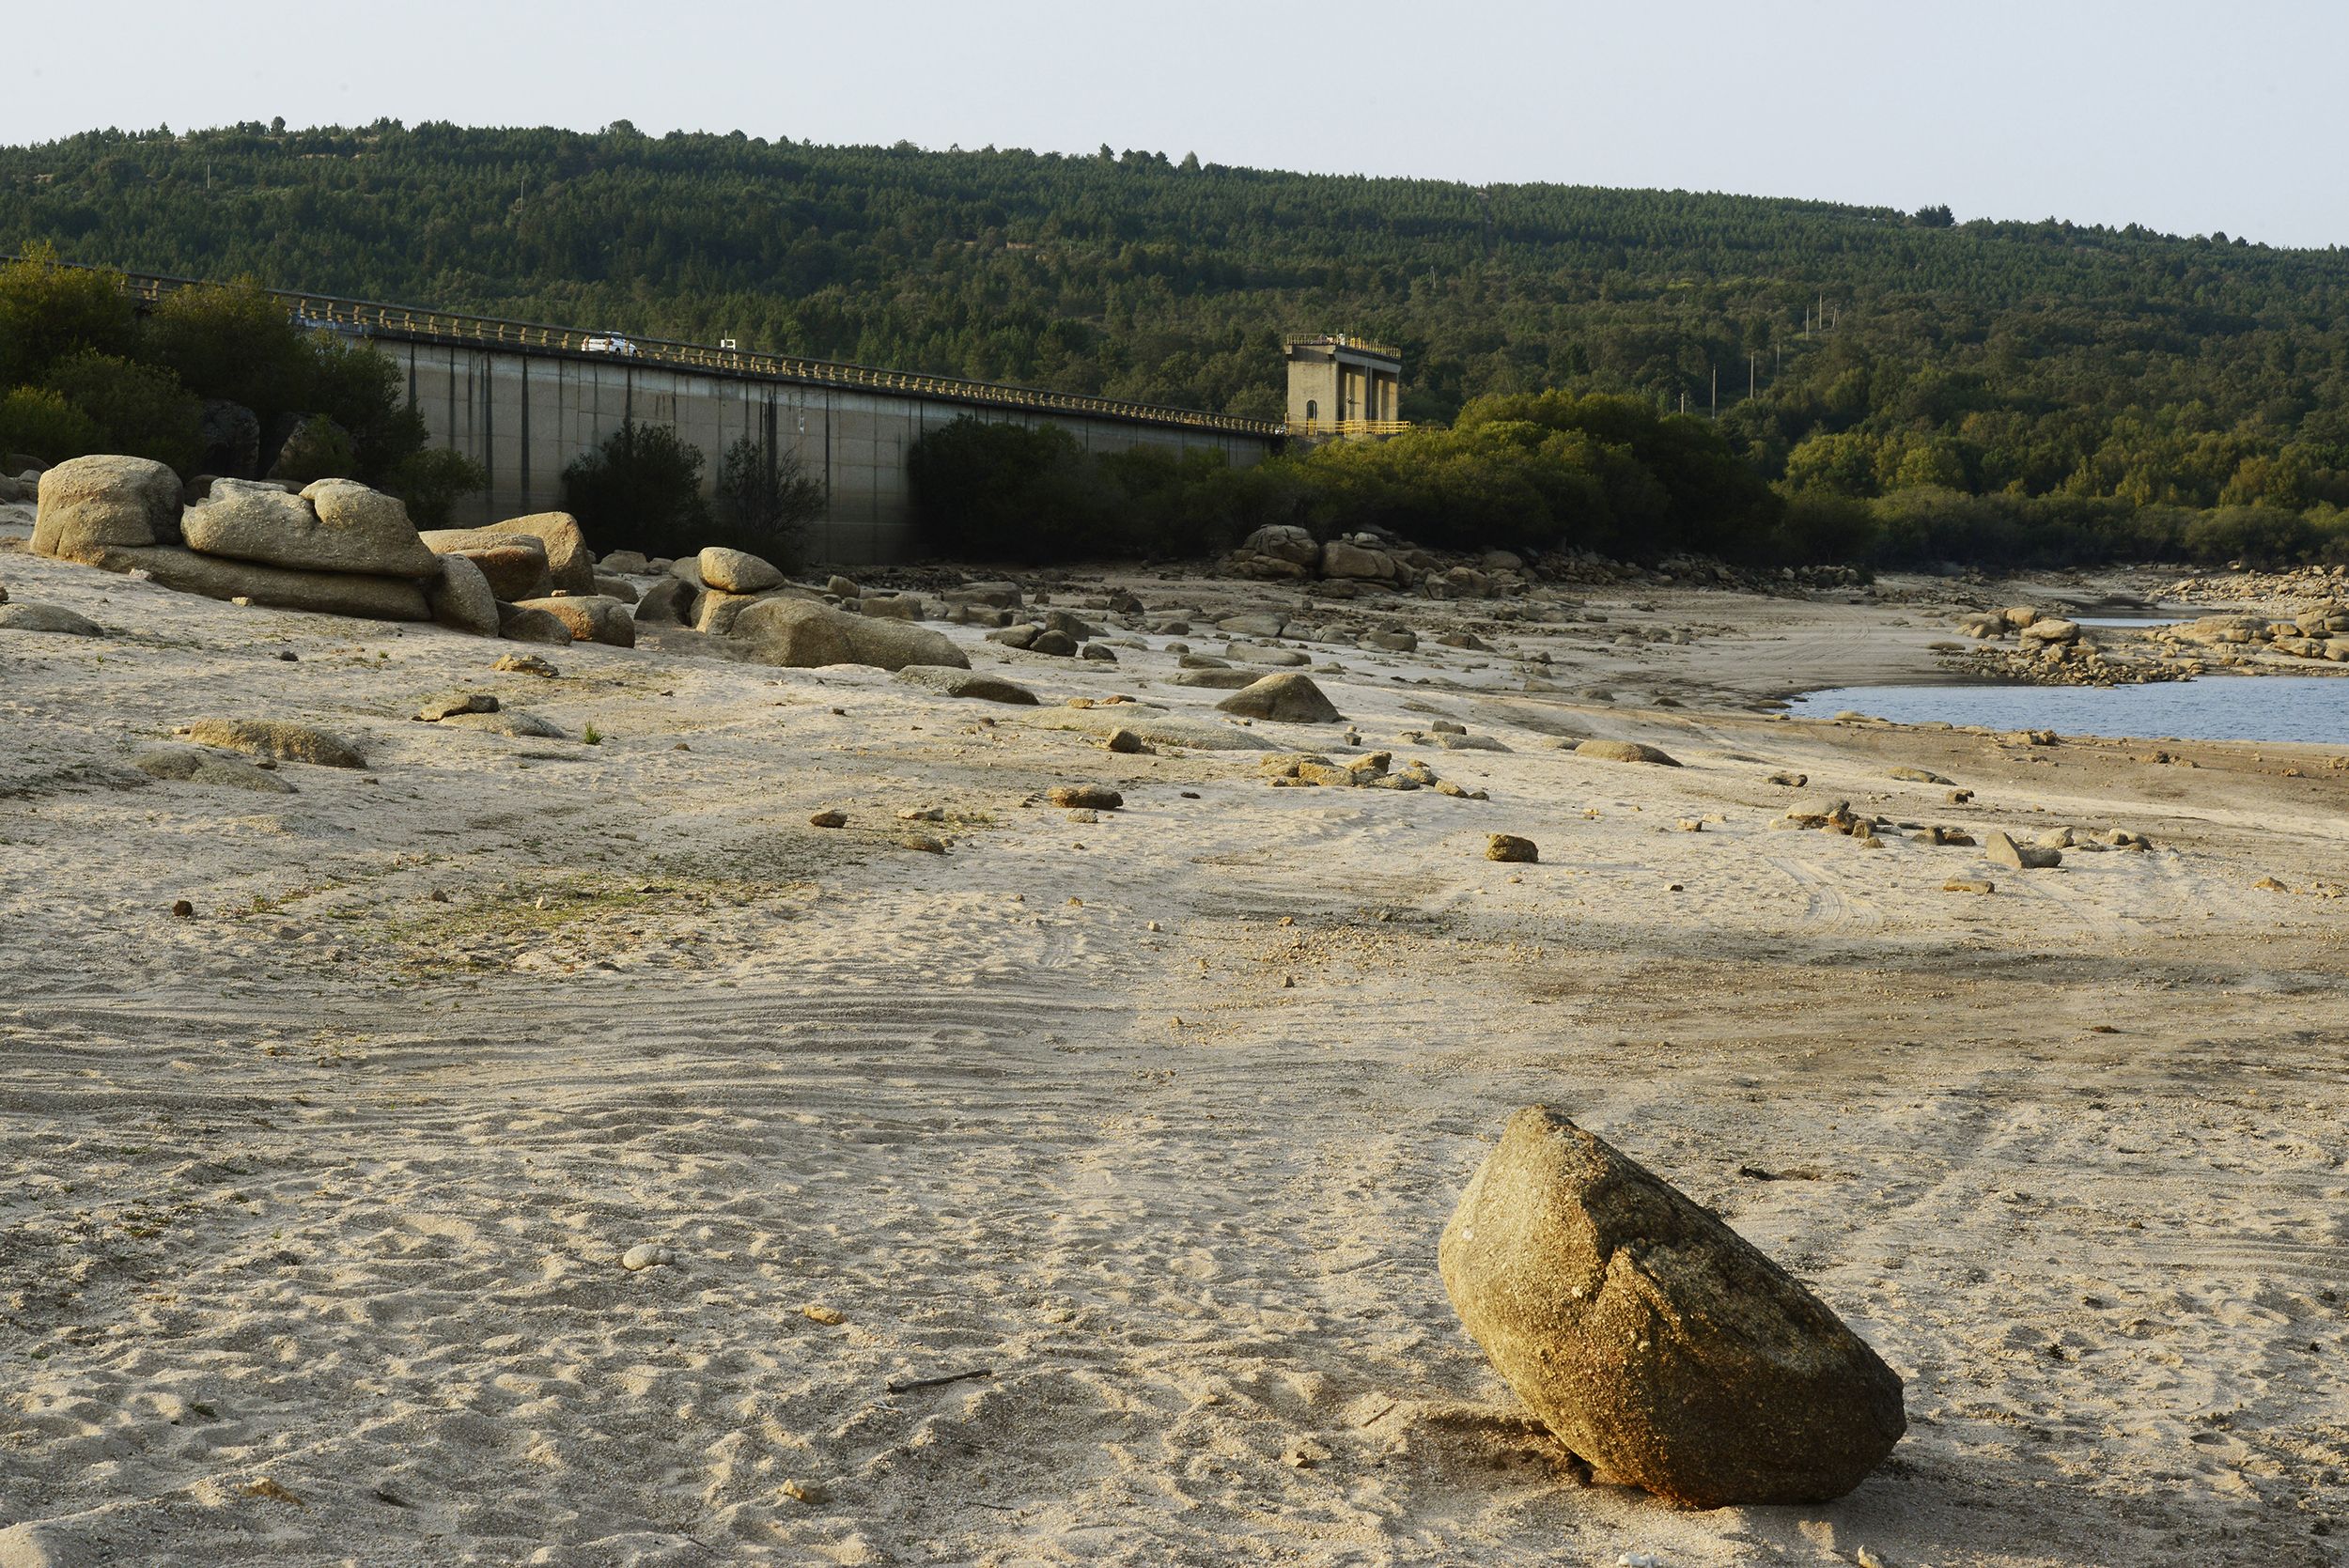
(1887, 351)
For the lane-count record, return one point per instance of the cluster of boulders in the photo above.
(340, 547)
(748, 600)
(2320, 632)
(2052, 651)
(1284, 552)
(335, 546)
(1370, 771)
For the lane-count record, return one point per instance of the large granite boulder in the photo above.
(670, 601)
(515, 564)
(803, 634)
(333, 526)
(1343, 558)
(518, 623)
(736, 571)
(232, 436)
(461, 599)
(1288, 698)
(1653, 1339)
(1284, 541)
(591, 617)
(368, 597)
(952, 681)
(1625, 750)
(91, 503)
(568, 557)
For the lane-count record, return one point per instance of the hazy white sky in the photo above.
(2187, 117)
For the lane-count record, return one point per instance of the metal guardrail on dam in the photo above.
(438, 326)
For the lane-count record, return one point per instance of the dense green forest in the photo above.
(1838, 351)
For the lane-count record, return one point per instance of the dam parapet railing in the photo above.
(368, 318)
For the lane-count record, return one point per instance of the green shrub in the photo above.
(48, 310)
(765, 501)
(318, 449)
(640, 490)
(430, 481)
(140, 408)
(37, 419)
(236, 342)
(991, 491)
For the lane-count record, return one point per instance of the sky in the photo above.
(2188, 119)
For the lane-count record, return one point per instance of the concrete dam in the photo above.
(523, 400)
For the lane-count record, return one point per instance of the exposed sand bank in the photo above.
(311, 1206)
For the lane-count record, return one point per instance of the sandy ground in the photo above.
(311, 1206)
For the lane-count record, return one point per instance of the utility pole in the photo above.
(1750, 357)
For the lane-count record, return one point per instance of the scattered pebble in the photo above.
(824, 1315)
(829, 819)
(643, 1255)
(183, 909)
(1509, 848)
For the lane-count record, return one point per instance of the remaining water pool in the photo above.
(2311, 709)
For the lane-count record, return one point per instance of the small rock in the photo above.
(1999, 849)
(1960, 797)
(54, 618)
(1915, 775)
(1085, 796)
(645, 1254)
(526, 664)
(183, 910)
(1510, 848)
(2269, 884)
(1127, 742)
(1969, 884)
(829, 819)
(1792, 781)
(454, 703)
(824, 1315)
(808, 1492)
(922, 842)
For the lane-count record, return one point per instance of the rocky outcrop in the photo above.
(89, 505)
(804, 634)
(333, 526)
(377, 599)
(1653, 1339)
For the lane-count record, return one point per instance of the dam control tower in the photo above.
(1344, 386)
